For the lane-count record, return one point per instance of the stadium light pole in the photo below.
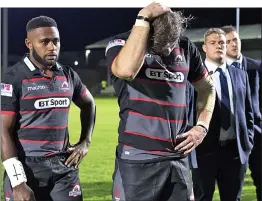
(4, 38)
(1, 43)
(237, 19)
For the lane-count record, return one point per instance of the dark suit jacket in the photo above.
(191, 115)
(254, 71)
(243, 118)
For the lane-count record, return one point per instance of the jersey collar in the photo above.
(32, 67)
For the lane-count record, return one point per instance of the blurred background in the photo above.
(84, 34)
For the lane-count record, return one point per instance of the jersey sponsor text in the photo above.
(160, 74)
(51, 103)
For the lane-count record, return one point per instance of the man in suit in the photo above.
(253, 68)
(191, 116)
(191, 97)
(223, 155)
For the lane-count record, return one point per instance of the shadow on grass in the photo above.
(248, 194)
(97, 190)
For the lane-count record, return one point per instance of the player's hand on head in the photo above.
(23, 192)
(193, 138)
(77, 153)
(154, 10)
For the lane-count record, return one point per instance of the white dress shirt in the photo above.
(211, 67)
(239, 60)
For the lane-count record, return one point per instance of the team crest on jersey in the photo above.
(6, 90)
(65, 86)
(116, 42)
(178, 58)
(178, 55)
(76, 191)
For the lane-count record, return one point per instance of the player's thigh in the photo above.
(68, 187)
(143, 181)
(180, 187)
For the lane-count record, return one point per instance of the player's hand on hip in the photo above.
(154, 10)
(23, 192)
(77, 153)
(193, 138)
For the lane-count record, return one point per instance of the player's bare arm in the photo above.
(87, 107)
(131, 57)
(206, 100)
(205, 106)
(12, 165)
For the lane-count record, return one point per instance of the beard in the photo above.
(159, 49)
(161, 52)
(160, 46)
(43, 61)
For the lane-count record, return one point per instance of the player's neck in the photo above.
(46, 70)
(36, 63)
(234, 58)
(216, 62)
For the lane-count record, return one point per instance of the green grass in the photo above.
(97, 167)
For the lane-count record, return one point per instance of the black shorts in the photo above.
(160, 181)
(49, 179)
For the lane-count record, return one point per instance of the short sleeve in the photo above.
(113, 48)
(79, 88)
(9, 95)
(197, 70)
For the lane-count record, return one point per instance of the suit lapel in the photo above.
(244, 63)
(232, 74)
(234, 80)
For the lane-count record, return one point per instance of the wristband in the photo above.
(141, 17)
(142, 23)
(201, 125)
(15, 171)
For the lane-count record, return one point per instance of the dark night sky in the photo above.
(82, 26)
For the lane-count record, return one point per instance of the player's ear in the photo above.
(28, 44)
(204, 48)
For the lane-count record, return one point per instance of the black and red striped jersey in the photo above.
(153, 108)
(41, 105)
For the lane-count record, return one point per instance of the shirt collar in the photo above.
(231, 60)
(211, 66)
(32, 66)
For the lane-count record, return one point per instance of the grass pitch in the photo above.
(97, 167)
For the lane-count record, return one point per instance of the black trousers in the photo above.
(222, 166)
(49, 179)
(158, 181)
(255, 164)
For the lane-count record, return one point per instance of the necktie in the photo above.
(236, 64)
(225, 101)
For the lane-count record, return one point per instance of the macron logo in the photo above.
(160, 74)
